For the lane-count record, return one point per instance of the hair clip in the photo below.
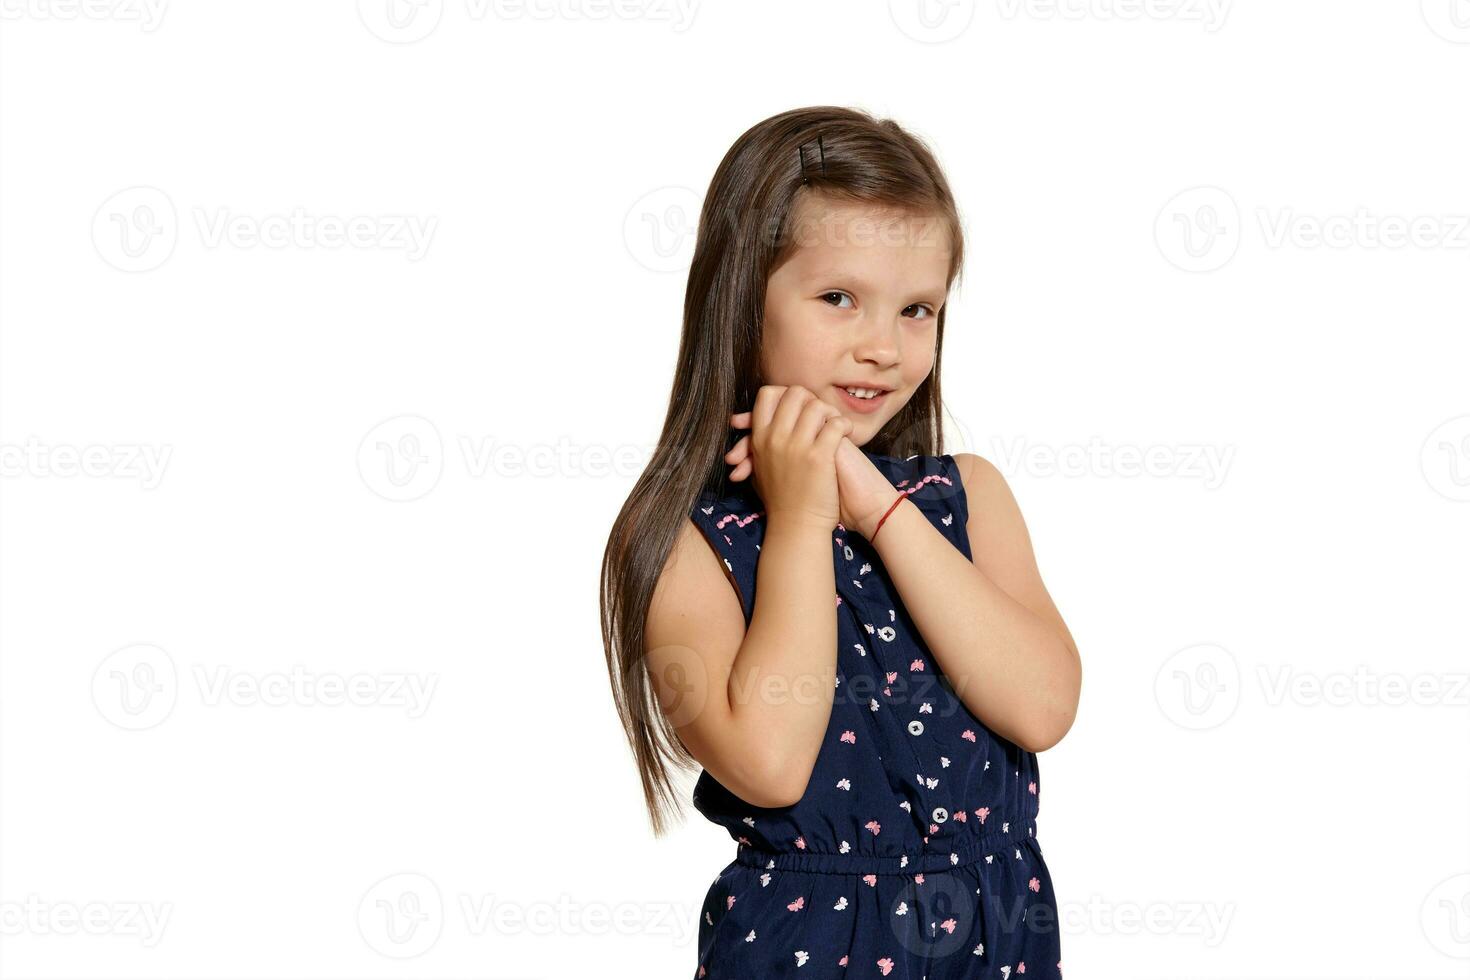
(821, 156)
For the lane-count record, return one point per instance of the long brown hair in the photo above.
(743, 235)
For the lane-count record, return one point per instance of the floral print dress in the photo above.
(912, 854)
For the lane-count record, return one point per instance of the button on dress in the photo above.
(912, 853)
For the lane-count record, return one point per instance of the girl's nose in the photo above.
(878, 344)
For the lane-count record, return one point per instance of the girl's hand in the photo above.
(864, 493)
(794, 435)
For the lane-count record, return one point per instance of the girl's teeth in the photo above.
(861, 392)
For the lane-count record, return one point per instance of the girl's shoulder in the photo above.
(732, 520)
(929, 478)
(936, 486)
(733, 509)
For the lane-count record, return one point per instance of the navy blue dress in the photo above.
(912, 854)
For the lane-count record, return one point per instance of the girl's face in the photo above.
(855, 307)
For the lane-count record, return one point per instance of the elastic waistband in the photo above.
(938, 855)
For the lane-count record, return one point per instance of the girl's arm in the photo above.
(750, 704)
(991, 624)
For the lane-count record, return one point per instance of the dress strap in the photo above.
(734, 525)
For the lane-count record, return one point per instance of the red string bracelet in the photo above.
(901, 495)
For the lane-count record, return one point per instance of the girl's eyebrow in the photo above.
(839, 276)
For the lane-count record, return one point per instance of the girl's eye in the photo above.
(913, 306)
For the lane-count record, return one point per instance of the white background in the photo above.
(393, 462)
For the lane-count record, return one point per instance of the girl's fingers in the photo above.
(834, 430)
(741, 470)
(738, 451)
(740, 420)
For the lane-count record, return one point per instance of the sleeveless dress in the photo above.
(912, 853)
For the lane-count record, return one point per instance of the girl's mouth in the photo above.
(860, 404)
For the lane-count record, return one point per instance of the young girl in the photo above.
(842, 625)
